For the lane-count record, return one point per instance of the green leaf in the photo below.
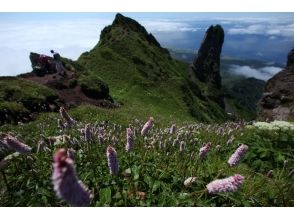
(183, 196)
(280, 157)
(136, 171)
(117, 195)
(105, 196)
(148, 180)
(156, 185)
(264, 154)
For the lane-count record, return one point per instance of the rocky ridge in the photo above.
(277, 102)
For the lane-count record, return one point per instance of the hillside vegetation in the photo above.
(19, 98)
(154, 171)
(144, 77)
(241, 93)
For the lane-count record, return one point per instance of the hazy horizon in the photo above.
(261, 36)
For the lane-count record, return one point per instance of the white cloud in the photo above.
(263, 73)
(251, 29)
(270, 70)
(166, 25)
(69, 37)
(272, 37)
(269, 29)
(274, 19)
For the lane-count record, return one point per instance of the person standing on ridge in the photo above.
(58, 63)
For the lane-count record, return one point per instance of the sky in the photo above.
(264, 36)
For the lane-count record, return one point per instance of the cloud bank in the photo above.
(263, 73)
(282, 30)
(71, 37)
(168, 25)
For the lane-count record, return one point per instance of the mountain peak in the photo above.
(128, 23)
(206, 65)
(123, 29)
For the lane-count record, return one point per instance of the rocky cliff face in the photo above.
(74, 86)
(206, 65)
(277, 102)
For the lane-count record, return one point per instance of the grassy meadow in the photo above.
(153, 173)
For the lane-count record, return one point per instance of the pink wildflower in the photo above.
(176, 142)
(270, 174)
(231, 140)
(192, 155)
(66, 116)
(42, 146)
(112, 160)
(230, 184)
(204, 150)
(218, 147)
(182, 146)
(60, 124)
(148, 125)
(88, 132)
(65, 181)
(188, 182)
(238, 155)
(161, 145)
(14, 144)
(172, 129)
(130, 140)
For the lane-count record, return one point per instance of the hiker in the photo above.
(58, 63)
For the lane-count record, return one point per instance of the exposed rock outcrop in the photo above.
(74, 86)
(206, 65)
(277, 102)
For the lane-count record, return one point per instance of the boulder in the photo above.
(277, 102)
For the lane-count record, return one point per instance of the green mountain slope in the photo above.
(144, 77)
(19, 98)
(241, 93)
(242, 97)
